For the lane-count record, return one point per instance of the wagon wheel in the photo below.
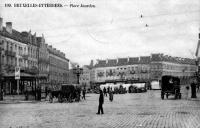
(167, 95)
(162, 95)
(179, 95)
(176, 95)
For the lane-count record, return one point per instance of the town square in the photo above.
(100, 64)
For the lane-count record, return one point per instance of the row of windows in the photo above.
(43, 55)
(134, 68)
(43, 67)
(54, 70)
(59, 65)
(140, 76)
(32, 52)
(21, 50)
(84, 79)
(173, 67)
(57, 78)
(7, 45)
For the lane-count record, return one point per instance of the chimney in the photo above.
(43, 39)
(1, 24)
(91, 63)
(9, 27)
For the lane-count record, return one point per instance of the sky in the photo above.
(113, 29)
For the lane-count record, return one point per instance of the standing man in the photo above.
(193, 88)
(84, 91)
(104, 91)
(101, 101)
(111, 95)
(1, 94)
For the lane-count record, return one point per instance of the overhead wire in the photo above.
(137, 27)
(117, 20)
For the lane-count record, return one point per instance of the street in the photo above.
(138, 110)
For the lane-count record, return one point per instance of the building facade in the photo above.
(58, 67)
(143, 69)
(38, 62)
(43, 60)
(14, 54)
(161, 65)
(85, 76)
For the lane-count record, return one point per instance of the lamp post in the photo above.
(1, 93)
(197, 64)
(197, 82)
(78, 71)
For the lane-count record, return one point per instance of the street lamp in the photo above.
(78, 71)
(1, 85)
(1, 95)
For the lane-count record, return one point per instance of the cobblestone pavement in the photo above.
(138, 110)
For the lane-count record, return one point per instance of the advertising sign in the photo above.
(17, 73)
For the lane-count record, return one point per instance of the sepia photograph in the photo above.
(99, 64)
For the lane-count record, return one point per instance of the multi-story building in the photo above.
(145, 68)
(85, 76)
(162, 65)
(32, 56)
(123, 69)
(58, 67)
(43, 60)
(37, 61)
(72, 77)
(14, 54)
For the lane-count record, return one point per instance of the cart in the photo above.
(170, 86)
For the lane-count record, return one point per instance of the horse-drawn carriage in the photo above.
(170, 86)
(67, 92)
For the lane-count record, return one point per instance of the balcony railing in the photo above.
(43, 60)
(10, 53)
(32, 70)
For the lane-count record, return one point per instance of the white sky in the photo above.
(113, 29)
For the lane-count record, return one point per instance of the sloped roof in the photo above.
(122, 61)
(145, 59)
(133, 60)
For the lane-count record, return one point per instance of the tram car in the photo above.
(170, 85)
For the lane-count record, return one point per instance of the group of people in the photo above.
(110, 93)
(115, 90)
(70, 96)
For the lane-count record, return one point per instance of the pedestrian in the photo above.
(111, 95)
(46, 92)
(1, 94)
(108, 90)
(193, 88)
(101, 101)
(104, 91)
(50, 97)
(198, 88)
(187, 92)
(83, 92)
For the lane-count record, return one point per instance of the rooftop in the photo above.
(143, 60)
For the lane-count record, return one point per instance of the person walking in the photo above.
(197, 87)
(104, 91)
(83, 92)
(111, 95)
(1, 94)
(187, 92)
(101, 101)
(50, 97)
